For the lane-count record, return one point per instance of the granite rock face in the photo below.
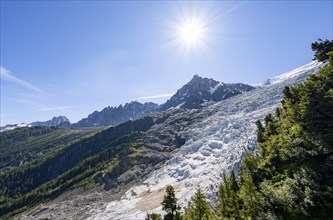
(201, 90)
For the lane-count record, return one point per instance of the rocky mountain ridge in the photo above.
(117, 115)
(192, 95)
(198, 91)
(201, 90)
(61, 121)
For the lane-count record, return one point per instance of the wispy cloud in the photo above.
(230, 10)
(6, 75)
(61, 108)
(58, 88)
(7, 115)
(155, 96)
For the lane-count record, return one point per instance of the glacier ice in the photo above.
(214, 146)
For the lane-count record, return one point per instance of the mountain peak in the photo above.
(61, 117)
(55, 121)
(200, 90)
(196, 77)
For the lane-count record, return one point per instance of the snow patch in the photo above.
(309, 68)
(214, 88)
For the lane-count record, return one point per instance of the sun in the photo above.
(191, 33)
(190, 29)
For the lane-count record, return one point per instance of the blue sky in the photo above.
(74, 57)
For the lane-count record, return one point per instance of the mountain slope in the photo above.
(113, 157)
(26, 144)
(301, 73)
(215, 139)
(292, 176)
(200, 90)
(213, 147)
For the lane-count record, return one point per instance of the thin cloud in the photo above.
(6, 75)
(155, 96)
(61, 108)
(62, 89)
(7, 115)
(230, 10)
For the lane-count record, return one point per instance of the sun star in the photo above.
(191, 33)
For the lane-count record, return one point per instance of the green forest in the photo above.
(68, 163)
(24, 145)
(291, 175)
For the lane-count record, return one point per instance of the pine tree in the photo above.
(169, 204)
(228, 206)
(233, 182)
(251, 199)
(153, 216)
(223, 198)
(260, 130)
(321, 48)
(198, 208)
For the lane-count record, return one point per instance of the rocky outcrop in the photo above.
(200, 90)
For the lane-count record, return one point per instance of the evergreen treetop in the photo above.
(169, 204)
(321, 49)
(198, 208)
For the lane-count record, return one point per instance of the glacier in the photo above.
(214, 146)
